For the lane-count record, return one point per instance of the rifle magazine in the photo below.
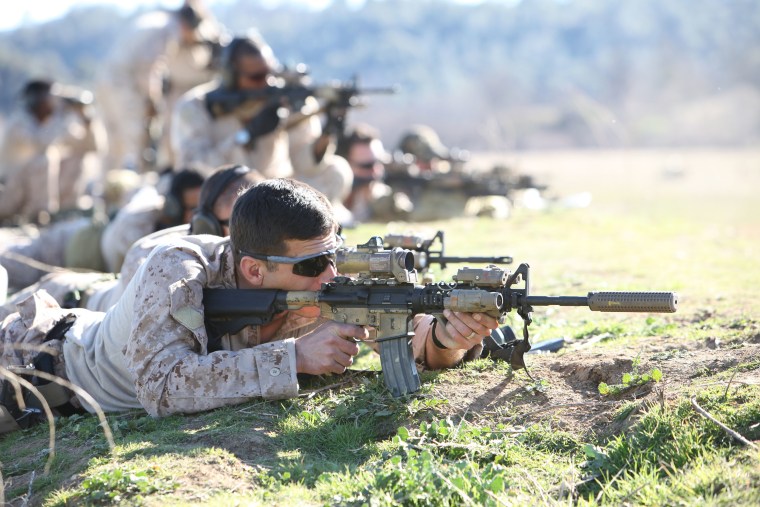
(399, 368)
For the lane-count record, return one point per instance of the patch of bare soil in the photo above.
(216, 474)
(570, 399)
(249, 445)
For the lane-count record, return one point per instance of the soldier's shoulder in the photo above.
(193, 102)
(174, 250)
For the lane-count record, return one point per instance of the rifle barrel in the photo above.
(388, 90)
(656, 302)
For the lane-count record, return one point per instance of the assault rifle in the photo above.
(402, 175)
(385, 296)
(293, 93)
(424, 255)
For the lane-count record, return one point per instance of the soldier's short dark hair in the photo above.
(185, 180)
(174, 204)
(276, 210)
(251, 44)
(34, 93)
(37, 87)
(190, 16)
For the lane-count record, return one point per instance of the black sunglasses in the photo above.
(308, 265)
(366, 165)
(256, 77)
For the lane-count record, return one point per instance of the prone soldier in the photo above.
(153, 347)
(430, 173)
(99, 291)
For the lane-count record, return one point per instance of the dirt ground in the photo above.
(720, 185)
(713, 187)
(571, 399)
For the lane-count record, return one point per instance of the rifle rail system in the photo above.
(386, 296)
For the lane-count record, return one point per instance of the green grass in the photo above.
(355, 445)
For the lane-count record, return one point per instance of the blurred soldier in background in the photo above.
(150, 211)
(43, 152)
(82, 172)
(241, 119)
(370, 198)
(423, 143)
(100, 291)
(432, 174)
(161, 57)
(92, 244)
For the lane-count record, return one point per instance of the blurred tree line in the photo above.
(497, 75)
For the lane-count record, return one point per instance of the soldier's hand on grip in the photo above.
(263, 123)
(330, 348)
(464, 330)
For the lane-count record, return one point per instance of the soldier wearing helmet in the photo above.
(429, 152)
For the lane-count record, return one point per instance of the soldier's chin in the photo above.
(308, 311)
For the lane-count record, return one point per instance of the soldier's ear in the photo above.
(251, 271)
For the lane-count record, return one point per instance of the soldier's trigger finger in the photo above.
(353, 333)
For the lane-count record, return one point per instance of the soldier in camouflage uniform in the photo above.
(430, 173)
(100, 291)
(88, 244)
(152, 347)
(147, 212)
(158, 59)
(370, 198)
(42, 154)
(256, 133)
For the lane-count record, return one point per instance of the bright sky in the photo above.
(15, 13)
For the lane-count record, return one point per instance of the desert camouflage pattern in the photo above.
(204, 142)
(42, 164)
(134, 221)
(104, 296)
(28, 327)
(132, 79)
(98, 291)
(58, 286)
(47, 245)
(154, 338)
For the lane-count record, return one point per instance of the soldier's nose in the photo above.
(327, 275)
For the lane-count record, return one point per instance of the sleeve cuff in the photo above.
(276, 364)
